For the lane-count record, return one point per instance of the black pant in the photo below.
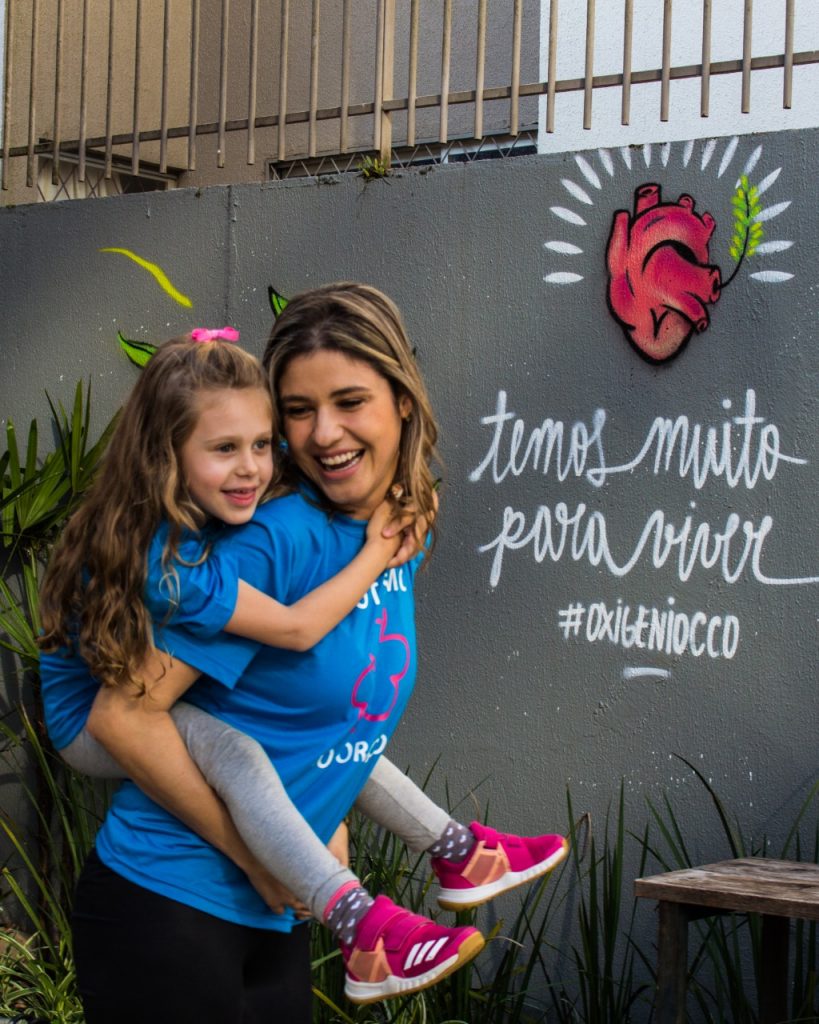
(144, 959)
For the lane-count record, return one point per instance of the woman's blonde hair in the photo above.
(364, 324)
(92, 595)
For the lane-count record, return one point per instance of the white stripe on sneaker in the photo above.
(417, 953)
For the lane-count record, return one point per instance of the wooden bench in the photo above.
(776, 889)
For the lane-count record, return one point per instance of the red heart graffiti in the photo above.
(659, 275)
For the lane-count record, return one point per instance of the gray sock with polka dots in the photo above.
(454, 843)
(347, 912)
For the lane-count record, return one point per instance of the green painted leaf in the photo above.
(277, 301)
(139, 352)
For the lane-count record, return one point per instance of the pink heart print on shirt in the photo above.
(373, 699)
(660, 278)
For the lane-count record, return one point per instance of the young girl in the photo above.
(222, 460)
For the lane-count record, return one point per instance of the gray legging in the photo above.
(239, 770)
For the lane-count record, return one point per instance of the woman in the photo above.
(355, 414)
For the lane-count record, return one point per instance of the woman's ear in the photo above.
(405, 407)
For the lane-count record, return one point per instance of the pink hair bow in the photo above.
(218, 334)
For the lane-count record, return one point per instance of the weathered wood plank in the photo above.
(750, 884)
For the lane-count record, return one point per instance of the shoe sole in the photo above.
(464, 899)
(361, 992)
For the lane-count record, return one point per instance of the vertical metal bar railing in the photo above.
(446, 58)
(588, 89)
(58, 81)
(787, 84)
(253, 72)
(252, 80)
(480, 69)
(747, 43)
(83, 134)
(705, 83)
(379, 73)
(346, 17)
(193, 88)
(551, 75)
(514, 99)
(8, 78)
(137, 89)
(665, 80)
(628, 40)
(315, 29)
(412, 71)
(283, 56)
(163, 104)
(387, 81)
(32, 94)
(109, 147)
(223, 84)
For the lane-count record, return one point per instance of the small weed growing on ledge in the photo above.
(373, 167)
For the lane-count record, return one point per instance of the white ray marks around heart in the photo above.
(767, 181)
(588, 172)
(687, 152)
(562, 277)
(580, 194)
(727, 156)
(771, 276)
(707, 153)
(753, 160)
(772, 211)
(606, 161)
(568, 215)
(565, 248)
(775, 245)
(647, 154)
(665, 153)
(625, 153)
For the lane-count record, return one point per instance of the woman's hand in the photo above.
(275, 895)
(339, 845)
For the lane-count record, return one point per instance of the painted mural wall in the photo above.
(623, 350)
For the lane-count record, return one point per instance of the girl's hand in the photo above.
(413, 535)
(385, 529)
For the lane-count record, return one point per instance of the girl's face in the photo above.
(343, 427)
(227, 462)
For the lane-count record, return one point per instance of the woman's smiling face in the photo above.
(343, 427)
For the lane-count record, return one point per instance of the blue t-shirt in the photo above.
(323, 715)
(202, 598)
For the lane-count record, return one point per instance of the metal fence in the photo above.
(136, 84)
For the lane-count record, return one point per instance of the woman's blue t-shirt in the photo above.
(323, 716)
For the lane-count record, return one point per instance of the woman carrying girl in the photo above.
(356, 418)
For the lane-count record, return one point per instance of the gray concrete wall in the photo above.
(586, 617)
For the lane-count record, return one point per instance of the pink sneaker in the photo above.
(396, 953)
(496, 864)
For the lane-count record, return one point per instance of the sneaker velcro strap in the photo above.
(485, 865)
(369, 965)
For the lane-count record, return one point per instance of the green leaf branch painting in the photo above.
(748, 230)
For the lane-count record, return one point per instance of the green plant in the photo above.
(603, 988)
(371, 167)
(36, 497)
(37, 979)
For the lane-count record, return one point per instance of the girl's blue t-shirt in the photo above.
(201, 596)
(323, 716)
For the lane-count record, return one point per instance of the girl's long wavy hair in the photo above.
(364, 324)
(92, 593)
